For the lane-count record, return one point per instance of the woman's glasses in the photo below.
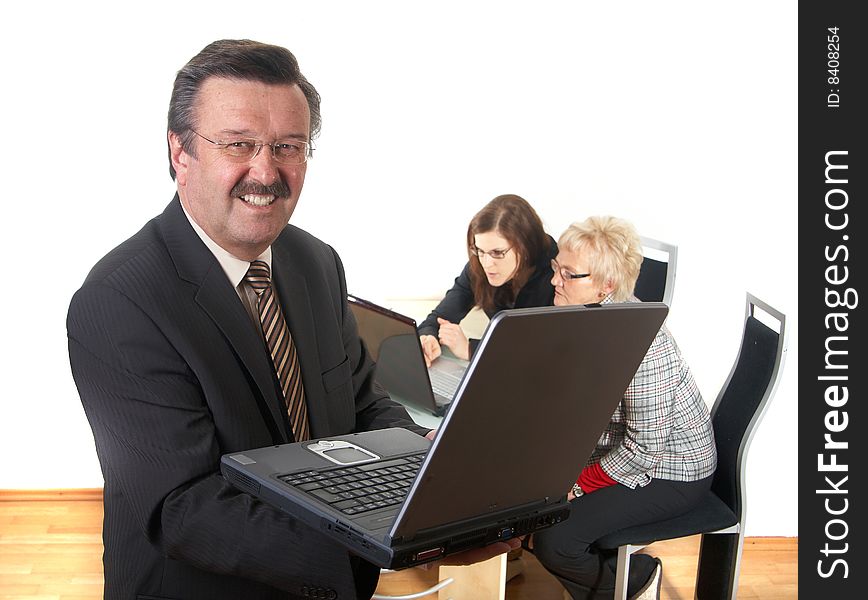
(495, 254)
(566, 273)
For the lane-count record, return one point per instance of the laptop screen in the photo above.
(393, 342)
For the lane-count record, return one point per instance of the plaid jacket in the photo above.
(662, 428)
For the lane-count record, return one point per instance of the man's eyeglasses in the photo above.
(289, 152)
(565, 273)
(495, 254)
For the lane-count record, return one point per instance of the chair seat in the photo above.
(710, 515)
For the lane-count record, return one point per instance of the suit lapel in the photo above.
(229, 315)
(295, 300)
(219, 300)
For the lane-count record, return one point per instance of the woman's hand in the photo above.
(430, 348)
(452, 336)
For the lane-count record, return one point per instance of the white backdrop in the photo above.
(680, 116)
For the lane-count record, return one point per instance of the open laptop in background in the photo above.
(393, 341)
(538, 392)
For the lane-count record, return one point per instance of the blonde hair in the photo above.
(612, 248)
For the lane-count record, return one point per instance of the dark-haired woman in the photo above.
(510, 267)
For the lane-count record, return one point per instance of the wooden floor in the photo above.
(51, 549)
(768, 572)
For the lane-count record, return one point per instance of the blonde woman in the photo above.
(656, 457)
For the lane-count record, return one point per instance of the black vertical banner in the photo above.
(833, 224)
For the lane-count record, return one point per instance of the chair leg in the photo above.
(622, 573)
(719, 566)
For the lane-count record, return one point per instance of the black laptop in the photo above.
(537, 394)
(393, 341)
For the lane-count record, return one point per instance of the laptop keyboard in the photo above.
(358, 489)
(444, 384)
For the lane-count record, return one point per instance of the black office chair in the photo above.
(656, 282)
(720, 517)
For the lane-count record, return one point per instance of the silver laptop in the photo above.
(393, 341)
(539, 390)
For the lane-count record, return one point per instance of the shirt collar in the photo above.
(234, 267)
(610, 300)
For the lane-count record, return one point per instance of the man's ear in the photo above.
(180, 158)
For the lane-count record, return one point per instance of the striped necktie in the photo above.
(279, 342)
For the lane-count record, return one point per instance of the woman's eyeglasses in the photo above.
(566, 273)
(495, 254)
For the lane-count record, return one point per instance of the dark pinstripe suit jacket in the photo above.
(172, 374)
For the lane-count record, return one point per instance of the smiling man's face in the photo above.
(243, 206)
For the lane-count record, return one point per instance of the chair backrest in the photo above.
(656, 281)
(744, 398)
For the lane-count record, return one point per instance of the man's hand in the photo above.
(468, 557)
(430, 348)
(452, 336)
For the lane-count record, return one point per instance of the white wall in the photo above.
(680, 116)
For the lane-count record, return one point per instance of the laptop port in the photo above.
(428, 554)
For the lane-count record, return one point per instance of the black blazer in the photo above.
(172, 373)
(458, 301)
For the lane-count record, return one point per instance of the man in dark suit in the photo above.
(172, 363)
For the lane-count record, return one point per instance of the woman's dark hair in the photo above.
(514, 219)
(243, 60)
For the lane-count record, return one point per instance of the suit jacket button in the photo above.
(331, 595)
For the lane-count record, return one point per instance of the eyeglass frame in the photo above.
(479, 253)
(566, 275)
(307, 153)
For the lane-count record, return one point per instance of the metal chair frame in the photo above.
(722, 545)
(671, 252)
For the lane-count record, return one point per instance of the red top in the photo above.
(593, 478)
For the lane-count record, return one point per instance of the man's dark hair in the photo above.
(234, 59)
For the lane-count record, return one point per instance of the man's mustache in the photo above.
(278, 189)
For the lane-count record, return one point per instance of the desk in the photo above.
(422, 418)
(481, 581)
